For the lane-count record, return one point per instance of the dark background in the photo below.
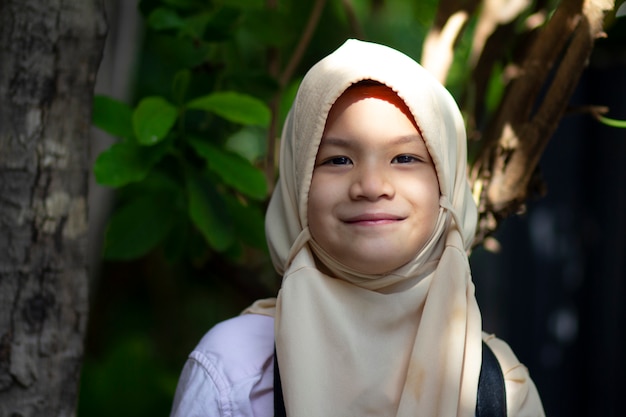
(556, 291)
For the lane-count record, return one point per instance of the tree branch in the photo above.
(494, 37)
(309, 29)
(503, 176)
(450, 20)
(283, 80)
(494, 13)
(353, 20)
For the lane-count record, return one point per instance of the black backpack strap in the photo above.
(491, 398)
(279, 402)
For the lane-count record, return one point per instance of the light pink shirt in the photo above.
(231, 371)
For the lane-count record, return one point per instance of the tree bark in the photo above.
(504, 175)
(49, 54)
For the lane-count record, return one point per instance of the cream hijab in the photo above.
(407, 343)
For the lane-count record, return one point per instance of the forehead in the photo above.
(359, 92)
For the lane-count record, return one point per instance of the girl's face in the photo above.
(374, 196)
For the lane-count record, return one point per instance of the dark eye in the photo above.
(404, 159)
(338, 160)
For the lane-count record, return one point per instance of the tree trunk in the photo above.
(49, 55)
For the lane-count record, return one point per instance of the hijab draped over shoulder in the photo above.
(406, 343)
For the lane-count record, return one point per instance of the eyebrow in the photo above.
(339, 142)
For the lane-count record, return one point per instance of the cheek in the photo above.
(325, 195)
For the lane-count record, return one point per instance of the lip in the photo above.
(373, 219)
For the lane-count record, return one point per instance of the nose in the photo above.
(371, 183)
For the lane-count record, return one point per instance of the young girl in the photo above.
(369, 226)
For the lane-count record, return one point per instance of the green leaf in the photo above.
(209, 212)
(153, 119)
(233, 169)
(612, 122)
(495, 89)
(184, 4)
(126, 162)
(235, 107)
(196, 24)
(181, 84)
(112, 116)
(244, 4)
(270, 27)
(163, 18)
(249, 142)
(137, 228)
(157, 182)
(222, 25)
(177, 241)
(249, 223)
(173, 52)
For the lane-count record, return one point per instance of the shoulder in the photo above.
(230, 372)
(522, 398)
(241, 345)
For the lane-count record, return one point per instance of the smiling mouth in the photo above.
(373, 219)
